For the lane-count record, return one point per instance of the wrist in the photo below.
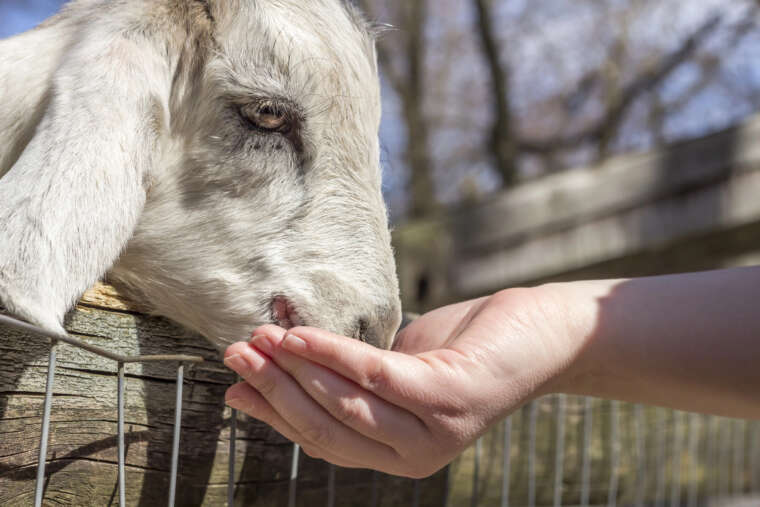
(575, 306)
(546, 329)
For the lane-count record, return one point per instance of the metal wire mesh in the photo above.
(568, 450)
(663, 458)
(121, 360)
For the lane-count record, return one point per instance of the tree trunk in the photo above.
(503, 145)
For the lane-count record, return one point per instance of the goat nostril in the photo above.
(377, 327)
(362, 330)
(284, 313)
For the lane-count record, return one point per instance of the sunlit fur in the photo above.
(122, 148)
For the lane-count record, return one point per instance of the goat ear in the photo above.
(71, 200)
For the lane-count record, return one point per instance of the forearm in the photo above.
(686, 341)
(689, 342)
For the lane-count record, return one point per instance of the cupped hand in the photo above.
(410, 411)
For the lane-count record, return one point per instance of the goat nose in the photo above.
(379, 327)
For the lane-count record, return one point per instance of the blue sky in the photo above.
(21, 15)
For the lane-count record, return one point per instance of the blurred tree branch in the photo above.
(502, 143)
(505, 144)
(409, 84)
(611, 76)
(618, 104)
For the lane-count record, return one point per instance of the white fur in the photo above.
(122, 149)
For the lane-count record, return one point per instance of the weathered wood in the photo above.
(82, 451)
(730, 204)
(622, 183)
(693, 205)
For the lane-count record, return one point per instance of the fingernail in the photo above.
(236, 403)
(294, 343)
(238, 364)
(262, 343)
(242, 366)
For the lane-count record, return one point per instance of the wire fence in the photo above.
(559, 450)
(121, 360)
(581, 451)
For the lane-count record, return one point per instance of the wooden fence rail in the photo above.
(82, 467)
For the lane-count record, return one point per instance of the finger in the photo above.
(245, 398)
(315, 425)
(393, 376)
(345, 400)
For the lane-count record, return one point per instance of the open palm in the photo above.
(453, 373)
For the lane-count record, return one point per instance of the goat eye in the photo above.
(268, 116)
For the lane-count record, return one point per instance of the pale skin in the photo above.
(690, 342)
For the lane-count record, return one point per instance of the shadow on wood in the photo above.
(82, 451)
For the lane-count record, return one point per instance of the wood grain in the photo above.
(82, 450)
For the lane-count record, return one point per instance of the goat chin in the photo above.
(217, 158)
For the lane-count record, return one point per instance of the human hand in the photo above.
(408, 412)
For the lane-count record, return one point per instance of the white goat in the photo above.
(219, 157)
